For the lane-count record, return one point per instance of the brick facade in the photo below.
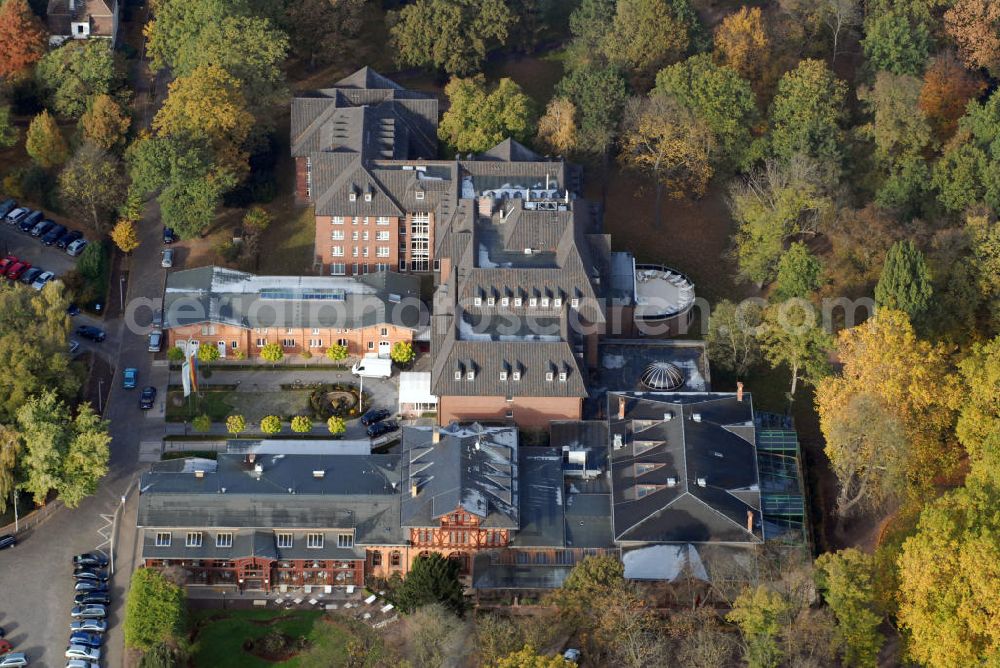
(528, 412)
(378, 339)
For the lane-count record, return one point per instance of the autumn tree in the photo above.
(272, 352)
(336, 425)
(629, 632)
(125, 237)
(669, 143)
(772, 205)
(949, 579)
(975, 27)
(8, 133)
(978, 426)
(402, 353)
(760, 612)
(336, 352)
(898, 386)
(201, 423)
(93, 183)
(527, 657)
(859, 241)
(301, 424)
(793, 337)
(898, 36)
(719, 97)
(256, 220)
(741, 42)
(733, 336)
(477, 119)
(799, 274)
(10, 450)
(270, 424)
(76, 71)
(947, 88)
(23, 36)
(839, 17)
(807, 113)
(453, 36)
(589, 24)
(905, 284)
(45, 142)
(235, 424)
(845, 577)
(591, 583)
(599, 95)
(314, 24)
(557, 127)
(104, 124)
(646, 35)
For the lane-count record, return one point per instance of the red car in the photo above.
(17, 269)
(7, 263)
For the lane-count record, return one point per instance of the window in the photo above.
(382, 266)
(562, 376)
(382, 235)
(376, 558)
(533, 302)
(364, 235)
(261, 343)
(353, 197)
(342, 342)
(645, 490)
(384, 331)
(364, 251)
(355, 220)
(368, 196)
(402, 230)
(517, 301)
(470, 375)
(260, 330)
(516, 375)
(383, 251)
(315, 330)
(574, 302)
(314, 540)
(354, 235)
(367, 220)
(337, 251)
(395, 559)
(643, 468)
(337, 220)
(337, 235)
(163, 539)
(549, 376)
(315, 343)
(235, 344)
(458, 375)
(289, 330)
(382, 220)
(503, 375)
(557, 302)
(491, 301)
(284, 540)
(371, 345)
(477, 301)
(193, 539)
(419, 194)
(545, 302)
(437, 265)
(288, 343)
(224, 539)
(208, 330)
(345, 540)
(354, 253)
(504, 301)
(338, 269)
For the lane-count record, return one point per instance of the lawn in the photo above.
(219, 638)
(253, 405)
(214, 403)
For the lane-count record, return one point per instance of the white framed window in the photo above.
(337, 235)
(352, 196)
(354, 235)
(366, 220)
(557, 302)
(315, 330)
(419, 194)
(491, 301)
(368, 196)
(383, 251)
(342, 342)
(402, 230)
(336, 220)
(315, 343)
(260, 330)
(371, 345)
(314, 540)
(382, 220)
(193, 539)
(458, 375)
(288, 343)
(345, 540)
(545, 302)
(355, 220)
(504, 301)
(382, 235)
(337, 251)
(284, 540)
(338, 269)
(289, 330)
(235, 344)
(354, 265)
(163, 538)
(549, 376)
(354, 253)
(364, 251)
(562, 376)
(574, 302)
(517, 301)
(224, 539)
(533, 302)
(208, 330)
(384, 331)
(364, 235)
(261, 343)
(470, 375)
(382, 266)
(503, 375)
(516, 375)
(477, 301)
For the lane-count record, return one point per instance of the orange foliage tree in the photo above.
(975, 27)
(947, 88)
(742, 44)
(23, 38)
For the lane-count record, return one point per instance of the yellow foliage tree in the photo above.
(45, 143)
(557, 128)
(208, 105)
(741, 43)
(527, 658)
(125, 237)
(893, 380)
(103, 123)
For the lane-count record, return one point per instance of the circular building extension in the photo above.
(663, 296)
(662, 376)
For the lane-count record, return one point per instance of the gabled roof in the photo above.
(683, 468)
(59, 15)
(471, 467)
(510, 150)
(368, 78)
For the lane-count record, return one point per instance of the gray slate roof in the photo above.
(246, 543)
(542, 503)
(657, 463)
(217, 294)
(471, 467)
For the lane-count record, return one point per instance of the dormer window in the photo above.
(504, 301)
(557, 302)
(517, 301)
(574, 302)
(458, 375)
(419, 194)
(545, 302)
(491, 301)
(549, 376)
(503, 375)
(470, 374)
(368, 196)
(477, 301)
(562, 376)
(533, 302)
(516, 375)
(352, 196)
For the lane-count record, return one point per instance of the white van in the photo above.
(373, 367)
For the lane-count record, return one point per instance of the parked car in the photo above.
(14, 660)
(81, 652)
(68, 238)
(29, 276)
(7, 540)
(91, 574)
(128, 378)
(157, 321)
(572, 654)
(43, 278)
(76, 247)
(16, 271)
(86, 639)
(28, 223)
(380, 428)
(72, 310)
(91, 332)
(54, 234)
(17, 215)
(89, 625)
(168, 235)
(42, 228)
(167, 258)
(155, 341)
(89, 586)
(147, 398)
(6, 207)
(6, 263)
(90, 559)
(92, 598)
(374, 415)
(81, 663)
(89, 612)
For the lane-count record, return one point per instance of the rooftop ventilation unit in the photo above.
(702, 482)
(667, 417)
(696, 417)
(618, 442)
(671, 482)
(258, 468)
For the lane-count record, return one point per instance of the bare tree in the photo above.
(838, 16)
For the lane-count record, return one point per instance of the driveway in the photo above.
(27, 247)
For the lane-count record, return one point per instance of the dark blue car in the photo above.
(374, 415)
(380, 428)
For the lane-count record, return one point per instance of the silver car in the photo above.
(14, 660)
(89, 612)
(81, 652)
(76, 247)
(42, 279)
(89, 625)
(167, 260)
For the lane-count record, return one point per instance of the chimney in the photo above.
(435, 435)
(621, 408)
(750, 521)
(739, 391)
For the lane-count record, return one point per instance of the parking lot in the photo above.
(31, 249)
